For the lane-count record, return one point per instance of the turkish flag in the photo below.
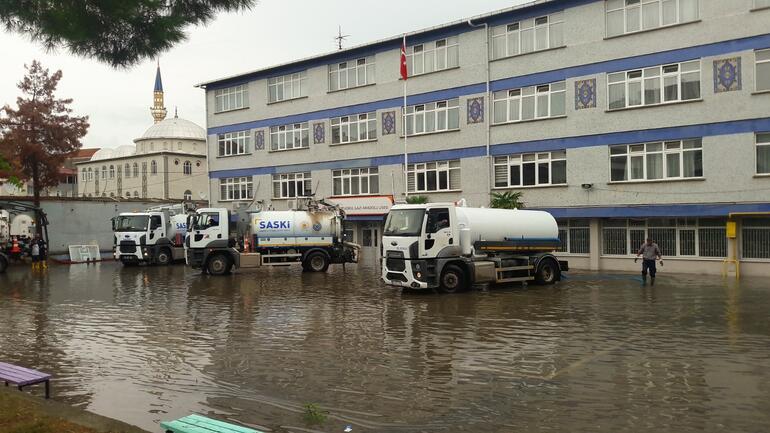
(404, 72)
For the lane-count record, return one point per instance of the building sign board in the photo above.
(364, 205)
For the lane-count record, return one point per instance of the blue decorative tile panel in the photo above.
(476, 110)
(585, 94)
(727, 75)
(259, 140)
(388, 122)
(319, 133)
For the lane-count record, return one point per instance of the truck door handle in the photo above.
(219, 236)
(451, 241)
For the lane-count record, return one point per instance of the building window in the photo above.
(287, 87)
(760, 4)
(291, 185)
(630, 16)
(653, 86)
(231, 98)
(575, 236)
(685, 237)
(534, 34)
(531, 169)
(756, 238)
(434, 176)
(187, 168)
(236, 188)
(104, 172)
(90, 175)
(349, 129)
(289, 137)
(433, 117)
(153, 168)
(763, 69)
(433, 56)
(356, 181)
(234, 143)
(657, 161)
(528, 103)
(187, 195)
(136, 170)
(136, 194)
(354, 73)
(112, 172)
(763, 153)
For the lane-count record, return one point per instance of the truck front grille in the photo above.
(127, 247)
(392, 276)
(395, 261)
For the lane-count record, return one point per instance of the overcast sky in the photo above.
(275, 31)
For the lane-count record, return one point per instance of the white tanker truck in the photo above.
(154, 236)
(449, 247)
(312, 238)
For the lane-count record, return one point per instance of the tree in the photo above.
(119, 32)
(507, 200)
(38, 136)
(416, 199)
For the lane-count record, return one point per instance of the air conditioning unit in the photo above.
(292, 204)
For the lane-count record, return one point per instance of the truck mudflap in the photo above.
(563, 265)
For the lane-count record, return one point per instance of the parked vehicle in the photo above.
(449, 247)
(312, 238)
(155, 235)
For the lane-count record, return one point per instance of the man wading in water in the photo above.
(649, 252)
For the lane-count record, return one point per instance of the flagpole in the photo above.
(406, 154)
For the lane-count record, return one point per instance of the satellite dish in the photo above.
(202, 195)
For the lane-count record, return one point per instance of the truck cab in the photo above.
(148, 237)
(208, 245)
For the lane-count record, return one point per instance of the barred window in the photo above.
(656, 161)
(433, 56)
(354, 73)
(355, 181)
(575, 236)
(291, 185)
(288, 137)
(526, 36)
(236, 188)
(433, 117)
(434, 176)
(756, 238)
(528, 103)
(684, 237)
(286, 87)
(630, 16)
(654, 86)
(231, 98)
(234, 143)
(531, 169)
(350, 129)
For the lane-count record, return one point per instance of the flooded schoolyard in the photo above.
(593, 353)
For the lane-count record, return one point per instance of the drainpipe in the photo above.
(208, 159)
(487, 106)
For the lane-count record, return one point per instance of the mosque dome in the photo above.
(174, 128)
(104, 153)
(125, 150)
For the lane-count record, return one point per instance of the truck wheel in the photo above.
(547, 272)
(316, 262)
(220, 264)
(3, 264)
(452, 280)
(164, 257)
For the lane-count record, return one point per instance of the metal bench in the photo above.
(22, 377)
(201, 424)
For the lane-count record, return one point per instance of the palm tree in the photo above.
(507, 200)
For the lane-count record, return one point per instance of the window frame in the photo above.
(639, 5)
(231, 98)
(357, 176)
(680, 224)
(243, 185)
(505, 34)
(289, 131)
(438, 110)
(646, 75)
(450, 167)
(665, 151)
(758, 62)
(353, 66)
(519, 160)
(569, 226)
(239, 141)
(187, 168)
(301, 180)
(282, 82)
(153, 168)
(509, 96)
(761, 140)
(431, 50)
(363, 122)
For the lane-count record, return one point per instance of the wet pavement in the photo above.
(593, 353)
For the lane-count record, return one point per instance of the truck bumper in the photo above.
(401, 274)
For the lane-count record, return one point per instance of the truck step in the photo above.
(514, 280)
(515, 268)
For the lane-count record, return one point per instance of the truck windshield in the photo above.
(131, 223)
(205, 220)
(406, 222)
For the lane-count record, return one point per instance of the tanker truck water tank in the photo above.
(294, 224)
(500, 225)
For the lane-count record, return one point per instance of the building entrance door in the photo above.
(371, 237)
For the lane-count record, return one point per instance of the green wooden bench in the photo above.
(201, 424)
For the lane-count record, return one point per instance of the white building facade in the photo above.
(625, 119)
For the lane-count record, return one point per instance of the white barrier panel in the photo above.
(84, 253)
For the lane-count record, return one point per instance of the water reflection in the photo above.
(145, 344)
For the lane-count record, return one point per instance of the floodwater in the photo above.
(594, 353)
